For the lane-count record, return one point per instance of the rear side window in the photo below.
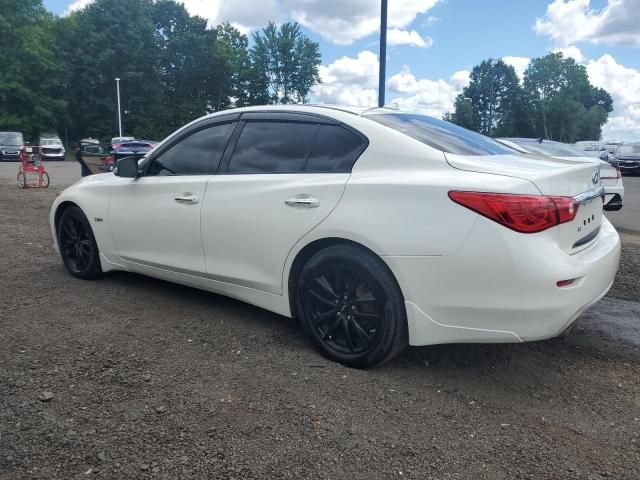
(196, 154)
(271, 147)
(335, 150)
(441, 135)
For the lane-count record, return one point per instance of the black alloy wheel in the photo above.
(77, 244)
(351, 307)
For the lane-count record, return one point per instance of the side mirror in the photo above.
(127, 167)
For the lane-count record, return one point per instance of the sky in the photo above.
(434, 44)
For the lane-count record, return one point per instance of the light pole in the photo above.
(119, 115)
(383, 53)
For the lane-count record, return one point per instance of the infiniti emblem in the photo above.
(595, 178)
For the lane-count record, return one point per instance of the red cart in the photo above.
(32, 172)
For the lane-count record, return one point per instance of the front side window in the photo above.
(441, 135)
(197, 154)
(335, 150)
(272, 147)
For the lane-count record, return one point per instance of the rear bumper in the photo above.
(613, 202)
(501, 286)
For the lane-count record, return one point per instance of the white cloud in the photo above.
(339, 21)
(432, 97)
(519, 64)
(77, 5)
(404, 37)
(623, 84)
(354, 81)
(568, 22)
(343, 22)
(570, 52)
(349, 81)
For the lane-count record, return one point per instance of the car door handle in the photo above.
(187, 199)
(305, 201)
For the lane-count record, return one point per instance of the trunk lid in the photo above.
(580, 180)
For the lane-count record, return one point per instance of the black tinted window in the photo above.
(272, 147)
(197, 154)
(441, 135)
(335, 150)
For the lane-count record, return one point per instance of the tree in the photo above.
(564, 105)
(29, 91)
(286, 62)
(488, 103)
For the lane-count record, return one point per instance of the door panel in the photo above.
(250, 222)
(150, 226)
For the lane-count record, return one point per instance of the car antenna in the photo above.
(540, 140)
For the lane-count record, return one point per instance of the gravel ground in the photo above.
(129, 377)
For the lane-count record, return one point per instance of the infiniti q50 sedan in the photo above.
(375, 228)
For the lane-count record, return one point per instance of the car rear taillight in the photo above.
(522, 213)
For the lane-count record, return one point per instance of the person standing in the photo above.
(84, 170)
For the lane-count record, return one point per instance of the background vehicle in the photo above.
(118, 140)
(10, 145)
(593, 148)
(51, 147)
(376, 228)
(610, 176)
(629, 158)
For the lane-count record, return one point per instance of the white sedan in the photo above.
(375, 228)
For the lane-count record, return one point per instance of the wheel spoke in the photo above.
(323, 318)
(366, 298)
(345, 327)
(68, 229)
(332, 328)
(368, 316)
(326, 286)
(321, 299)
(364, 335)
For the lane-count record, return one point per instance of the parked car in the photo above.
(610, 176)
(376, 228)
(116, 140)
(594, 149)
(10, 145)
(629, 158)
(51, 147)
(135, 148)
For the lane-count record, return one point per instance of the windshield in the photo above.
(628, 150)
(550, 149)
(588, 146)
(441, 135)
(11, 139)
(50, 141)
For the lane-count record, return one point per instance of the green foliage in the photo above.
(59, 73)
(555, 101)
(30, 97)
(286, 62)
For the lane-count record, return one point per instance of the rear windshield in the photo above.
(628, 150)
(11, 139)
(441, 135)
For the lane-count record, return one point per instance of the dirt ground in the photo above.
(129, 377)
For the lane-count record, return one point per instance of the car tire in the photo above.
(78, 246)
(351, 307)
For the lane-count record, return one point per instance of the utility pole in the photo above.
(383, 54)
(119, 114)
(492, 65)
